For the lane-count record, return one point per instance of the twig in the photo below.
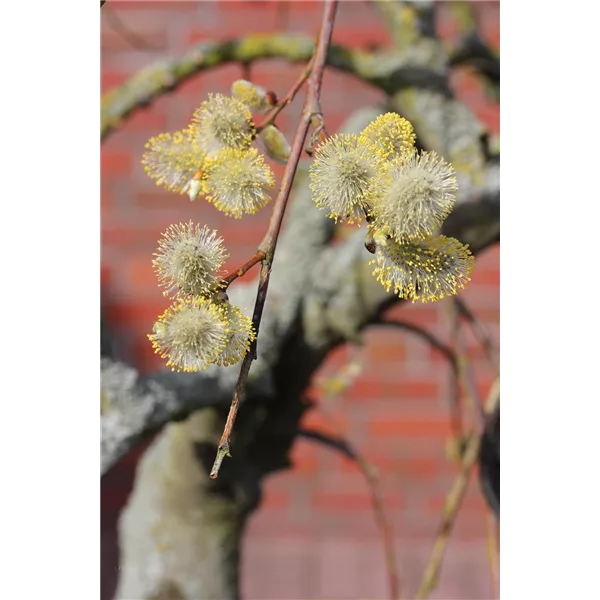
(492, 552)
(269, 242)
(345, 377)
(465, 372)
(483, 335)
(446, 350)
(453, 502)
(260, 255)
(370, 475)
(456, 420)
(283, 102)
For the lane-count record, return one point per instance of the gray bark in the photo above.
(180, 532)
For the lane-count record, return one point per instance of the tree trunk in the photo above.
(186, 528)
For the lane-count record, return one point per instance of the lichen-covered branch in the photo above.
(381, 69)
(319, 297)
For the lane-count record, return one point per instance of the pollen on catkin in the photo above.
(241, 335)
(222, 122)
(413, 196)
(390, 135)
(340, 175)
(191, 334)
(253, 96)
(188, 259)
(237, 182)
(172, 160)
(276, 145)
(428, 270)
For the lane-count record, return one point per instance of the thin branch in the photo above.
(429, 337)
(456, 420)
(482, 334)
(492, 552)
(454, 501)
(269, 242)
(370, 475)
(287, 99)
(259, 256)
(465, 372)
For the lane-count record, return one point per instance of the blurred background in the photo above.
(315, 534)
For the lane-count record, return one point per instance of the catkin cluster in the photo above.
(201, 327)
(214, 156)
(404, 196)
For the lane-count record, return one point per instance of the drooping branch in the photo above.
(269, 243)
(332, 287)
(381, 69)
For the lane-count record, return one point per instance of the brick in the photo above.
(166, 6)
(417, 314)
(353, 501)
(126, 236)
(112, 79)
(149, 120)
(274, 500)
(143, 355)
(386, 353)
(303, 457)
(472, 503)
(133, 314)
(141, 273)
(387, 465)
(372, 388)
(318, 421)
(416, 426)
(115, 162)
(158, 199)
(137, 35)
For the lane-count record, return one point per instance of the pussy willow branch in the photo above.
(283, 102)
(269, 242)
(259, 256)
(454, 501)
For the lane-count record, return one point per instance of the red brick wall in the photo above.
(315, 531)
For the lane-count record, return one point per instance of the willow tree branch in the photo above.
(287, 99)
(269, 243)
(145, 86)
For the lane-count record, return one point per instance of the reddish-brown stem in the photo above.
(283, 102)
(260, 255)
(268, 245)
